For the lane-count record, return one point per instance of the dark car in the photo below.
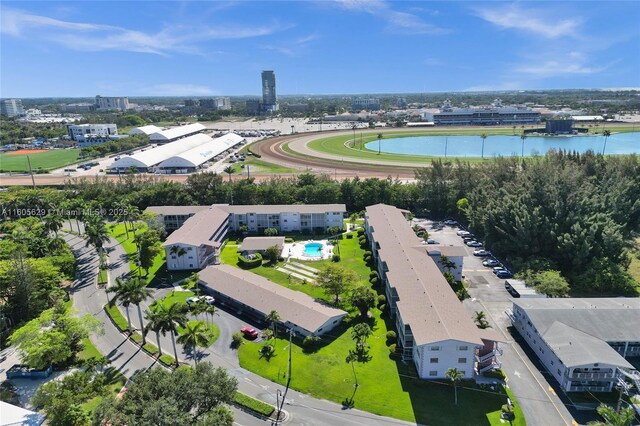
(504, 274)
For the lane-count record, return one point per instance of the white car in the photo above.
(450, 222)
(463, 233)
(206, 299)
(481, 252)
(474, 244)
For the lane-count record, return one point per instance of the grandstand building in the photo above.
(175, 133)
(496, 114)
(181, 156)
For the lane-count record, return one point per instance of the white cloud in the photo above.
(539, 22)
(433, 62)
(96, 37)
(575, 63)
(178, 89)
(400, 22)
(293, 47)
(496, 87)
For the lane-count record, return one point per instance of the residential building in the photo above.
(269, 97)
(582, 342)
(434, 330)
(91, 134)
(11, 107)
(369, 104)
(197, 243)
(256, 296)
(175, 133)
(203, 228)
(496, 114)
(106, 103)
(447, 259)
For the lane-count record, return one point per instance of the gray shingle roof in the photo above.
(265, 296)
(427, 302)
(175, 210)
(261, 243)
(199, 228)
(286, 208)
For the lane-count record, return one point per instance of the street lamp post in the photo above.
(292, 129)
(354, 135)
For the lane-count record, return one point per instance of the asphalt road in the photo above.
(128, 358)
(537, 397)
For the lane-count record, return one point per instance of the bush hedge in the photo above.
(116, 316)
(250, 263)
(392, 349)
(373, 274)
(254, 404)
(349, 236)
(360, 231)
(495, 374)
(336, 258)
(288, 240)
(373, 280)
(382, 299)
(167, 360)
(391, 336)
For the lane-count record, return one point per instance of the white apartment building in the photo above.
(112, 102)
(582, 343)
(434, 329)
(91, 134)
(11, 107)
(286, 218)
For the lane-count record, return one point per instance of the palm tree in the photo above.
(447, 263)
(157, 322)
(624, 417)
(197, 308)
(53, 223)
(484, 136)
(480, 318)
(138, 293)
(97, 234)
(195, 335)
(229, 170)
(121, 291)
(455, 376)
(523, 137)
(173, 316)
(273, 317)
(379, 139)
(133, 215)
(122, 206)
(210, 309)
(360, 333)
(606, 135)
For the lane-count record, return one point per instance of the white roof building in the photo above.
(151, 157)
(147, 130)
(170, 135)
(200, 154)
(12, 415)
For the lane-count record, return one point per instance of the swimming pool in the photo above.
(313, 249)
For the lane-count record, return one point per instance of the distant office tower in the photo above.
(370, 104)
(223, 103)
(269, 98)
(112, 102)
(11, 107)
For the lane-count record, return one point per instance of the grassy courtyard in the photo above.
(118, 232)
(387, 386)
(48, 160)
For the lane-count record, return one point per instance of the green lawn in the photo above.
(114, 383)
(118, 232)
(89, 350)
(51, 159)
(260, 166)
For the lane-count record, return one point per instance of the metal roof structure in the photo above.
(200, 154)
(12, 415)
(427, 303)
(174, 133)
(147, 130)
(265, 296)
(154, 156)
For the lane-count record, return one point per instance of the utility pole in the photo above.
(33, 181)
(286, 389)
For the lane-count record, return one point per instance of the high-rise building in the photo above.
(269, 98)
(11, 107)
(369, 104)
(112, 102)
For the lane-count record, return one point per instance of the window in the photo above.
(190, 249)
(433, 373)
(435, 348)
(319, 330)
(434, 360)
(173, 257)
(190, 257)
(191, 265)
(559, 373)
(463, 348)
(462, 360)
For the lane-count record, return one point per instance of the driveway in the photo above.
(538, 399)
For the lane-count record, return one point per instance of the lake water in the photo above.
(504, 145)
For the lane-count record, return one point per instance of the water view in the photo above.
(504, 145)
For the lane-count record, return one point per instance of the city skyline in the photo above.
(78, 49)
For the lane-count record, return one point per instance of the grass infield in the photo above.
(41, 161)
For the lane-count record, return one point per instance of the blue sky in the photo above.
(148, 48)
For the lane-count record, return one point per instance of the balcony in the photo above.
(487, 356)
(585, 376)
(493, 365)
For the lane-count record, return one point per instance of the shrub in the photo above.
(288, 240)
(382, 300)
(383, 307)
(368, 259)
(280, 259)
(254, 404)
(349, 236)
(373, 274)
(360, 231)
(136, 338)
(151, 348)
(167, 360)
(270, 232)
(367, 253)
(267, 350)
(392, 349)
(373, 280)
(250, 263)
(495, 374)
(336, 258)
(391, 336)
(237, 339)
(462, 294)
(310, 341)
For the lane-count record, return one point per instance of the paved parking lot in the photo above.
(538, 399)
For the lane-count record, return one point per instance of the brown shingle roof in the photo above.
(199, 228)
(261, 243)
(427, 302)
(265, 296)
